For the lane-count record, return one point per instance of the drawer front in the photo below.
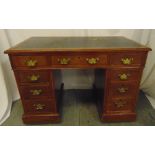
(127, 59)
(29, 61)
(121, 105)
(123, 89)
(39, 106)
(79, 60)
(125, 74)
(33, 76)
(34, 92)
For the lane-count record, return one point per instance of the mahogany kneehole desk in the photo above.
(117, 62)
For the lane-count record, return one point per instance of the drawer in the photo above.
(29, 61)
(33, 76)
(121, 105)
(123, 89)
(39, 106)
(79, 60)
(127, 59)
(125, 74)
(34, 92)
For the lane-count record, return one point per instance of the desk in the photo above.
(118, 63)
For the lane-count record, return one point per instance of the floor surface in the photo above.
(80, 110)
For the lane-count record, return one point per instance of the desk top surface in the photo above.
(77, 44)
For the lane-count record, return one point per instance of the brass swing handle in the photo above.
(127, 61)
(36, 92)
(39, 106)
(123, 76)
(120, 103)
(122, 89)
(64, 61)
(92, 60)
(33, 78)
(31, 63)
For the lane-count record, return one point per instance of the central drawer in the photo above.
(79, 60)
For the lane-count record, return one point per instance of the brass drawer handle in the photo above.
(31, 63)
(122, 89)
(120, 103)
(123, 76)
(33, 78)
(127, 61)
(92, 60)
(39, 106)
(64, 61)
(36, 92)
